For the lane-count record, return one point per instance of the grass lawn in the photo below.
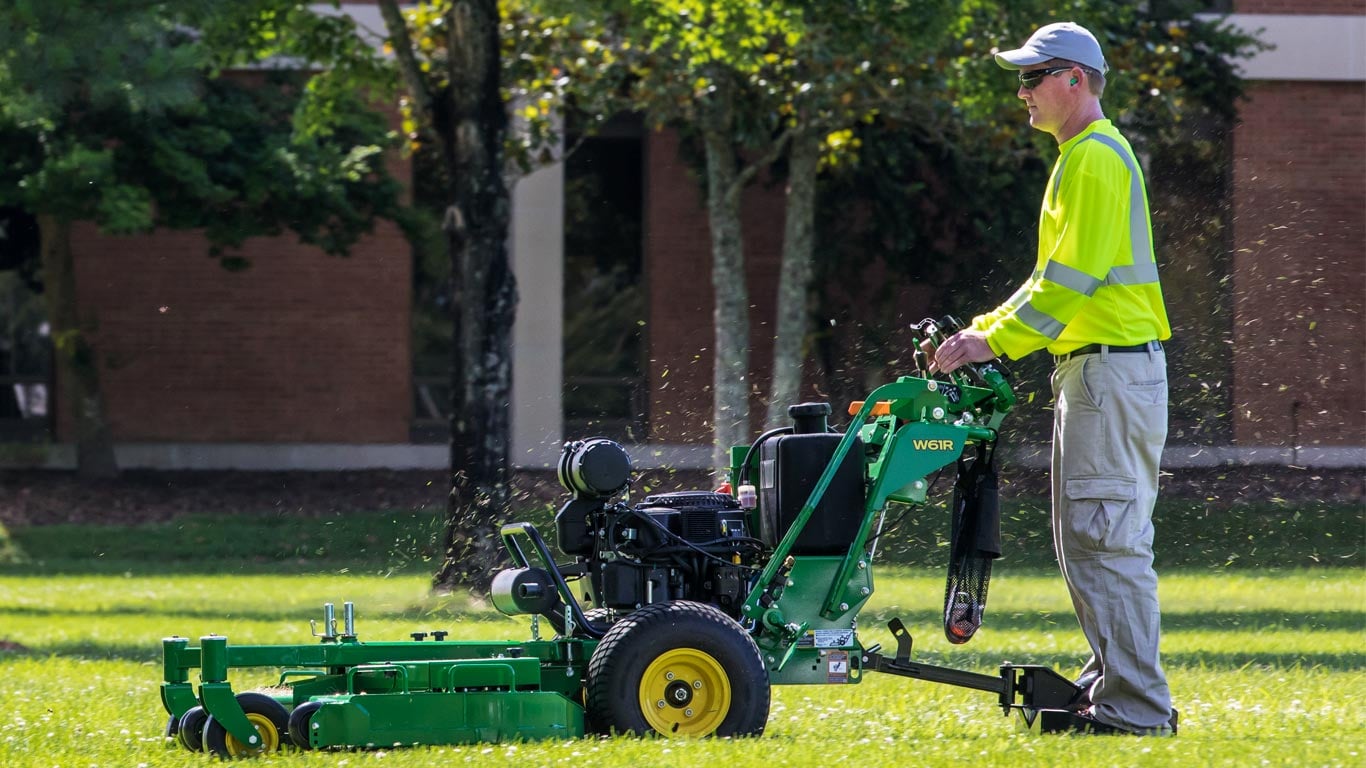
(1268, 665)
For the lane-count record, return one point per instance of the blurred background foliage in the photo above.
(930, 176)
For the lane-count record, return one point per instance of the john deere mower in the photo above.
(672, 615)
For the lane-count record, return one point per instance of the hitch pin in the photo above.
(329, 623)
(349, 619)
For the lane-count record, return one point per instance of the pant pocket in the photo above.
(1092, 378)
(1147, 392)
(1099, 515)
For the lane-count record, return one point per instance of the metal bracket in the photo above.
(791, 634)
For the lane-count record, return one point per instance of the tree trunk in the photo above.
(78, 375)
(484, 298)
(730, 377)
(794, 281)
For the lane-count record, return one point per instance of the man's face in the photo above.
(1051, 100)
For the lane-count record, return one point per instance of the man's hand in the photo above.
(961, 348)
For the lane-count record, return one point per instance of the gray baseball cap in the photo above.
(1064, 40)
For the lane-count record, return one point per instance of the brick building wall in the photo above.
(300, 347)
(1299, 263)
(1299, 268)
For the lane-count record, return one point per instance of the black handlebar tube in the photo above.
(512, 533)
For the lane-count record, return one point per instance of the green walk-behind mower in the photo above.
(675, 614)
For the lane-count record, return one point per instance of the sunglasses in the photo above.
(1030, 80)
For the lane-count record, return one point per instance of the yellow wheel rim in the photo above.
(685, 692)
(270, 737)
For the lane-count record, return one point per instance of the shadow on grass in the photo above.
(246, 543)
(1189, 535)
(183, 615)
(1220, 661)
(91, 650)
(221, 566)
(150, 652)
(1243, 621)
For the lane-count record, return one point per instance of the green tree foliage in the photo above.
(934, 173)
(705, 65)
(116, 112)
(855, 63)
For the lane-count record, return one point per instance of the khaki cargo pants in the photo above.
(1108, 432)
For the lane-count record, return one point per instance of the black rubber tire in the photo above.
(298, 723)
(266, 713)
(637, 654)
(600, 617)
(190, 729)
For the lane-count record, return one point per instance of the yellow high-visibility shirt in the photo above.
(1095, 281)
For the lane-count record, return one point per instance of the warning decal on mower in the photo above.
(837, 667)
(826, 638)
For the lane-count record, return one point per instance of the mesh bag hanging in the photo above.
(974, 541)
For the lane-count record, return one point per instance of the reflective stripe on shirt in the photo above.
(1144, 268)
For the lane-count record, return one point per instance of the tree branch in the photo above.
(775, 150)
(407, 64)
(514, 173)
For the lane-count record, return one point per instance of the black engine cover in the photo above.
(702, 516)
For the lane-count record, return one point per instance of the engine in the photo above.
(691, 545)
(701, 545)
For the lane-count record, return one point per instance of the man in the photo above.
(1094, 302)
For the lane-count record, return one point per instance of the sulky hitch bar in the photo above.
(1030, 688)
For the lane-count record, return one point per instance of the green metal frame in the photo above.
(926, 426)
(443, 692)
(804, 611)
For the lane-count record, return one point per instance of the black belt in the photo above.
(1095, 349)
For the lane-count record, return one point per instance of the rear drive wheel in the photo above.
(267, 715)
(678, 669)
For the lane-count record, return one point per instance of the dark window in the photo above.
(604, 300)
(26, 407)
